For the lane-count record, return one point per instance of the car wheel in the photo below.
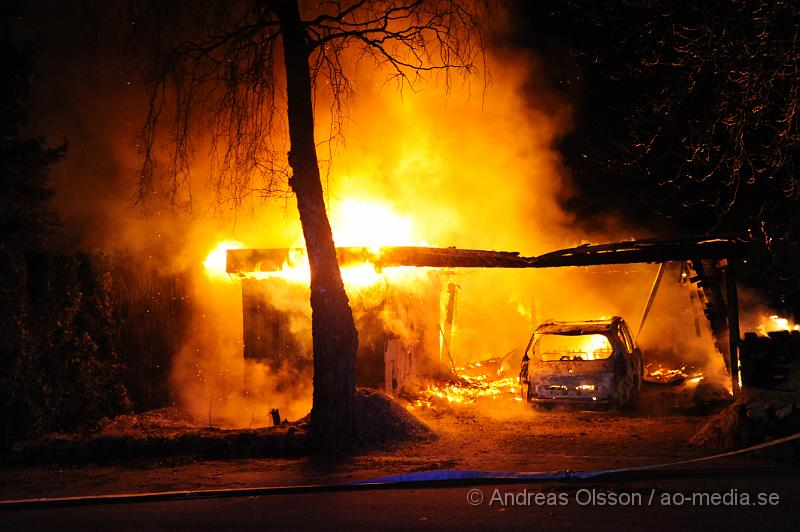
(633, 400)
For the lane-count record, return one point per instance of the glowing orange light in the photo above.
(597, 346)
(216, 259)
(770, 323)
(359, 223)
(356, 223)
(469, 391)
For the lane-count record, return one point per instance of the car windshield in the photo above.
(552, 347)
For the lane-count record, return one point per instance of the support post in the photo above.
(732, 297)
(650, 298)
(447, 333)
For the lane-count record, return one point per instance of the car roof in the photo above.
(579, 327)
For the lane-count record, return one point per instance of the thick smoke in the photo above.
(467, 165)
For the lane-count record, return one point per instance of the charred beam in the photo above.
(733, 323)
(266, 260)
(634, 251)
(449, 258)
(641, 251)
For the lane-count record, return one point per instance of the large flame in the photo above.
(472, 172)
(773, 323)
(355, 223)
(215, 261)
(359, 223)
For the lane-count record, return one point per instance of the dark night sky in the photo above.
(88, 94)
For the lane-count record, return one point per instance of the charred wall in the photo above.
(267, 334)
(398, 331)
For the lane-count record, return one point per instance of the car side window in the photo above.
(623, 329)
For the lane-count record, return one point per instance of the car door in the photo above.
(634, 354)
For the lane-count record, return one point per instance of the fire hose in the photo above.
(417, 480)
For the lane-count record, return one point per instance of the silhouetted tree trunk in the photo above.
(216, 59)
(333, 330)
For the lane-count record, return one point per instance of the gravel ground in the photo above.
(499, 434)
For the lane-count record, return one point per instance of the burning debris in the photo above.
(399, 304)
(660, 374)
(467, 391)
(477, 383)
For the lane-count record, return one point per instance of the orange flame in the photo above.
(360, 223)
(774, 322)
(470, 390)
(355, 223)
(215, 261)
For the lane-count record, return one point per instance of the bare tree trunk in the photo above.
(334, 334)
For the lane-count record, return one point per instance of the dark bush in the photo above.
(84, 336)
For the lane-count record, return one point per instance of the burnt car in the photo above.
(587, 363)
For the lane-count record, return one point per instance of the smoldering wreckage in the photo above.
(405, 301)
(417, 363)
(400, 365)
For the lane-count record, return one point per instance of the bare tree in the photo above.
(216, 65)
(706, 117)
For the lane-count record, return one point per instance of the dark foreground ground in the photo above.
(643, 507)
(502, 435)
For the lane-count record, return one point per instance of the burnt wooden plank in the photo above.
(265, 260)
(640, 251)
(449, 258)
(634, 251)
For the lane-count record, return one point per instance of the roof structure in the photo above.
(725, 250)
(627, 252)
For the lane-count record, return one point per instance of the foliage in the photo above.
(25, 217)
(693, 111)
(717, 122)
(84, 337)
(72, 340)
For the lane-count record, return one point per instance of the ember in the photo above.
(660, 374)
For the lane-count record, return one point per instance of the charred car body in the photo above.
(586, 363)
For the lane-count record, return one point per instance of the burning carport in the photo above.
(710, 263)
